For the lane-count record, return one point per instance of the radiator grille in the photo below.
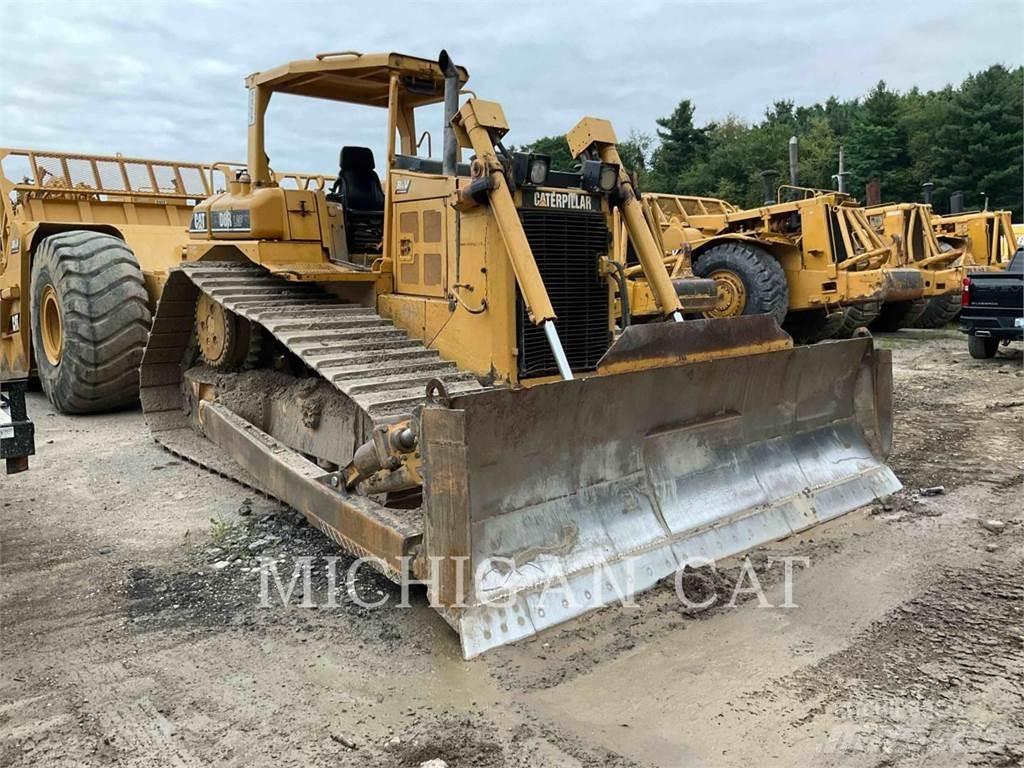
(566, 246)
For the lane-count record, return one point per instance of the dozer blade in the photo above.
(572, 495)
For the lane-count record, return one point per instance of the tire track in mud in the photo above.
(943, 673)
(137, 732)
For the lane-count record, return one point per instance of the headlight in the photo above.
(608, 177)
(530, 169)
(231, 221)
(198, 223)
(539, 169)
(598, 176)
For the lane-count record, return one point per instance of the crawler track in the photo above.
(379, 368)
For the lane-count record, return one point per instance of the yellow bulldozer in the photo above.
(802, 258)
(431, 369)
(86, 244)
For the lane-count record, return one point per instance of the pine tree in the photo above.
(878, 146)
(681, 144)
(966, 138)
(978, 149)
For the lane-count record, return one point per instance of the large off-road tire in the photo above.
(857, 316)
(750, 281)
(982, 348)
(90, 321)
(940, 311)
(898, 314)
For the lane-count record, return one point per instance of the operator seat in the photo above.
(358, 191)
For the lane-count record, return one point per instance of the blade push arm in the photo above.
(593, 136)
(479, 125)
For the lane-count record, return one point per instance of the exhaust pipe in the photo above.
(840, 177)
(873, 193)
(768, 181)
(794, 162)
(450, 158)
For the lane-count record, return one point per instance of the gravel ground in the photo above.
(132, 633)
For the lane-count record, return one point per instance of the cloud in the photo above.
(165, 79)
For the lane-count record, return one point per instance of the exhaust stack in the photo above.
(794, 162)
(768, 180)
(450, 158)
(840, 177)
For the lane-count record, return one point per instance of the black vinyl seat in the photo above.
(359, 192)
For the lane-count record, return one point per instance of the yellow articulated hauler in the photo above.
(431, 369)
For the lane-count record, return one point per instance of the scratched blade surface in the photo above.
(579, 493)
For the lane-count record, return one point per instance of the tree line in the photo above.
(968, 138)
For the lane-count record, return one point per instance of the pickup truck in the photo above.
(993, 308)
(17, 433)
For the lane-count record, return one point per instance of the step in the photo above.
(296, 340)
(372, 400)
(398, 380)
(326, 323)
(356, 345)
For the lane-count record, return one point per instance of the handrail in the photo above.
(49, 174)
(223, 166)
(814, 192)
(430, 143)
(46, 173)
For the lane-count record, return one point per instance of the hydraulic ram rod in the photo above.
(593, 133)
(478, 119)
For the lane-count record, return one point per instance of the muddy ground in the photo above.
(132, 636)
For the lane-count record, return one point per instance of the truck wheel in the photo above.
(898, 314)
(857, 316)
(941, 311)
(90, 321)
(749, 280)
(982, 348)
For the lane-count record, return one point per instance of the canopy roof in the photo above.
(358, 78)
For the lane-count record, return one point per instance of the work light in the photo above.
(539, 165)
(598, 176)
(608, 177)
(531, 169)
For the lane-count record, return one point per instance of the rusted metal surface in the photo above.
(696, 294)
(903, 284)
(570, 502)
(658, 344)
(357, 524)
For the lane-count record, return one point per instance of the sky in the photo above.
(166, 79)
